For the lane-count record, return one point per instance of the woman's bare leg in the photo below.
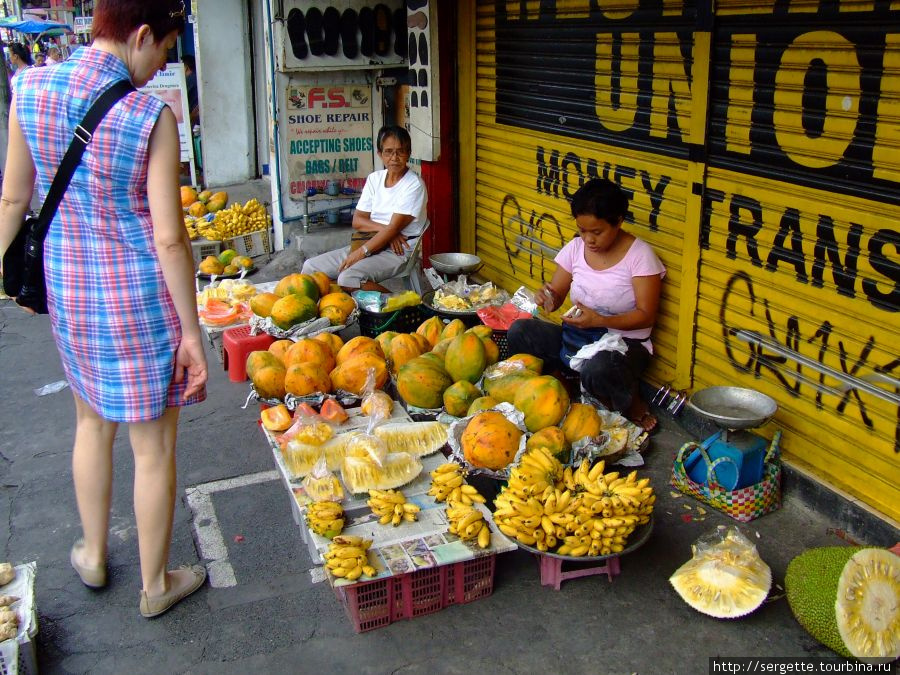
(153, 444)
(92, 475)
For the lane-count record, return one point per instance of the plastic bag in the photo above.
(610, 342)
(321, 484)
(725, 578)
(395, 301)
(375, 403)
(524, 299)
(308, 428)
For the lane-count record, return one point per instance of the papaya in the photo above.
(203, 196)
(261, 359)
(312, 351)
(544, 400)
(333, 412)
(452, 329)
(421, 383)
(465, 358)
(335, 316)
(214, 205)
(431, 330)
(424, 344)
(280, 348)
(343, 301)
(323, 282)
(404, 348)
(359, 344)
(504, 387)
(303, 379)
(333, 340)
(219, 196)
(305, 410)
(441, 347)
(481, 403)
(292, 309)
(269, 381)
(351, 374)
(197, 209)
(459, 396)
(276, 418)
(490, 440)
(551, 438)
(435, 358)
(582, 420)
(262, 303)
(384, 339)
(531, 362)
(188, 195)
(482, 331)
(491, 351)
(298, 284)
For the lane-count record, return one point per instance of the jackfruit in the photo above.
(361, 474)
(848, 598)
(726, 579)
(415, 438)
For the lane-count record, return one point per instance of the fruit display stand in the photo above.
(18, 655)
(551, 564)
(214, 333)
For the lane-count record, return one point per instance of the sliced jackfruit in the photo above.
(726, 580)
(415, 438)
(361, 474)
(810, 584)
(301, 457)
(867, 607)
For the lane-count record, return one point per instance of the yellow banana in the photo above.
(484, 537)
(355, 573)
(578, 551)
(469, 519)
(368, 570)
(596, 471)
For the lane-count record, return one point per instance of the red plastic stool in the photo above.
(237, 343)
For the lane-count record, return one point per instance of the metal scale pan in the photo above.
(734, 407)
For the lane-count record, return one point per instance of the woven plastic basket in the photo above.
(373, 324)
(500, 339)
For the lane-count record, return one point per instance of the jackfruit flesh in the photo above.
(726, 580)
(361, 474)
(415, 438)
(867, 607)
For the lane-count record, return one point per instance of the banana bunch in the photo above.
(586, 512)
(238, 219)
(536, 471)
(468, 523)
(190, 224)
(391, 507)
(347, 557)
(325, 518)
(448, 485)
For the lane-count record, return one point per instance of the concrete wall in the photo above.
(223, 73)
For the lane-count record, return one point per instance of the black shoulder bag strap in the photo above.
(82, 136)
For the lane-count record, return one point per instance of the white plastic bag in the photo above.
(610, 342)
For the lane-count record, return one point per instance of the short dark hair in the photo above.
(391, 131)
(116, 19)
(21, 51)
(601, 198)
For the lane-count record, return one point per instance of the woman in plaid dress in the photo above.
(119, 275)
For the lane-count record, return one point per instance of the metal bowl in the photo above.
(455, 263)
(734, 407)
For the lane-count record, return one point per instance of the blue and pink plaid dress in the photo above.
(113, 318)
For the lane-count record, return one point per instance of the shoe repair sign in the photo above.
(345, 35)
(328, 137)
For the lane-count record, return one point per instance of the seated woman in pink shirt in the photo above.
(614, 280)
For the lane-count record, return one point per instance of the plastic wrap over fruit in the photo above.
(321, 484)
(725, 578)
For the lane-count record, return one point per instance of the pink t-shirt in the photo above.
(610, 291)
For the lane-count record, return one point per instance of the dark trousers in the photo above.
(609, 376)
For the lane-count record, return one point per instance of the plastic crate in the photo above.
(9, 657)
(374, 604)
(502, 343)
(405, 320)
(201, 248)
(252, 244)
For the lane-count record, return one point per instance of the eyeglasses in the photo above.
(178, 14)
(390, 152)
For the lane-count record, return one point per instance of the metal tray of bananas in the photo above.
(636, 539)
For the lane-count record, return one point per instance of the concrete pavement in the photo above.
(276, 619)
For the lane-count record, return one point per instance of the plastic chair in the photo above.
(237, 343)
(411, 273)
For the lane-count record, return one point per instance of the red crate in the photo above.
(373, 604)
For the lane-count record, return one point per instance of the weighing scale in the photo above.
(734, 409)
(454, 264)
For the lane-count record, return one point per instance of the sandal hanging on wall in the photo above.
(295, 29)
(382, 30)
(331, 20)
(400, 32)
(367, 27)
(349, 25)
(314, 31)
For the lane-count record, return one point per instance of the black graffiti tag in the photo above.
(525, 237)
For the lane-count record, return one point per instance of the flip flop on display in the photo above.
(295, 29)
(418, 20)
(382, 30)
(413, 100)
(367, 27)
(423, 49)
(423, 78)
(314, 31)
(400, 32)
(416, 4)
(349, 44)
(424, 99)
(411, 77)
(412, 49)
(331, 19)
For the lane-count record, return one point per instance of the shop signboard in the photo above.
(83, 24)
(328, 137)
(169, 85)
